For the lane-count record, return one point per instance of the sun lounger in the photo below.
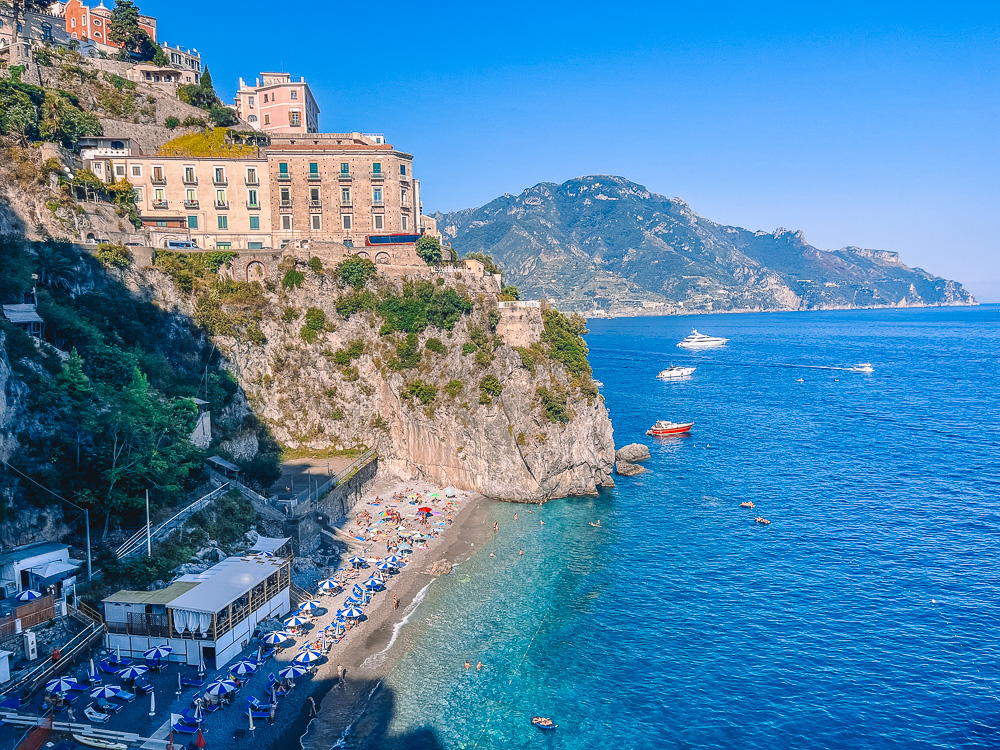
(105, 707)
(260, 713)
(211, 708)
(142, 686)
(124, 695)
(96, 716)
(192, 681)
(181, 728)
(107, 667)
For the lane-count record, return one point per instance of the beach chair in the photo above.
(106, 667)
(182, 728)
(211, 708)
(124, 695)
(192, 680)
(105, 707)
(260, 713)
(98, 717)
(142, 686)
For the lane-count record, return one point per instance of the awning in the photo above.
(56, 569)
(223, 463)
(269, 544)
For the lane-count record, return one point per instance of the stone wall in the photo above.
(520, 326)
(335, 505)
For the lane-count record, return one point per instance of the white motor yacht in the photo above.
(701, 341)
(674, 373)
(864, 367)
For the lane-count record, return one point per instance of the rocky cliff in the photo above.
(453, 405)
(603, 245)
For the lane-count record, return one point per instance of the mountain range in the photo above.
(603, 245)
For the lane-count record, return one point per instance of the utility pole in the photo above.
(90, 571)
(149, 533)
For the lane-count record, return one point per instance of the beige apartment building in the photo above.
(214, 203)
(277, 104)
(341, 187)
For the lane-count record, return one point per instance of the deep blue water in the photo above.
(864, 616)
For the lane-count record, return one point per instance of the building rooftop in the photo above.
(162, 596)
(222, 583)
(223, 463)
(30, 550)
(269, 544)
(24, 313)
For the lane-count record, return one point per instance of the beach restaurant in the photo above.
(209, 615)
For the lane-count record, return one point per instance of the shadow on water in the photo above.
(358, 715)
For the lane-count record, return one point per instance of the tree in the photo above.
(429, 248)
(201, 94)
(160, 57)
(355, 271)
(222, 116)
(55, 266)
(510, 293)
(124, 29)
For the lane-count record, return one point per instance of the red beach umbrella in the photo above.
(423, 510)
(200, 740)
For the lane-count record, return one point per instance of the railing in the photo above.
(252, 205)
(190, 180)
(159, 180)
(315, 204)
(346, 176)
(314, 176)
(137, 542)
(285, 204)
(519, 303)
(190, 204)
(378, 175)
(284, 176)
(77, 646)
(301, 503)
(253, 181)
(378, 203)
(346, 204)
(221, 205)
(160, 204)
(221, 183)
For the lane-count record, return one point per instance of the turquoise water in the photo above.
(864, 616)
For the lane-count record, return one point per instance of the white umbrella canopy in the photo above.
(28, 595)
(291, 672)
(108, 691)
(276, 637)
(131, 673)
(221, 687)
(244, 667)
(158, 652)
(308, 656)
(62, 685)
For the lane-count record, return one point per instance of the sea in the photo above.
(865, 615)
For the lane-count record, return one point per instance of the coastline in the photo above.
(589, 315)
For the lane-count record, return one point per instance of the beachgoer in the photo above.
(341, 672)
(395, 601)
(312, 706)
(541, 523)
(492, 555)
(479, 666)
(496, 526)
(515, 516)
(270, 712)
(70, 715)
(521, 552)
(467, 665)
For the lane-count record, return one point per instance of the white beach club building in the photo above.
(209, 615)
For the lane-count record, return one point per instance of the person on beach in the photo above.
(521, 552)
(312, 707)
(515, 516)
(395, 601)
(341, 673)
(496, 526)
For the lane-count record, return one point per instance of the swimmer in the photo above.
(521, 552)
(479, 667)
(467, 665)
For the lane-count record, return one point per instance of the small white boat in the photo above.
(701, 341)
(673, 373)
(864, 367)
(664, 427)
(99, 742)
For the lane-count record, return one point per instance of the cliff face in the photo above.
(506, 448)
(603, 245)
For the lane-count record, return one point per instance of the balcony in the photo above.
(190, 180)
(161, 180)
(344, 176)
(315, 205)
(378, 175)
(285, 205)
(377, 203)
(221, 183)
(222, 205)
(404, 178)
(253, 181)
(253, 205)
(190, 204)
(346, 204)
(160, 204)
(314, 177)
(284, 177)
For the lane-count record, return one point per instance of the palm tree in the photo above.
(56, 268)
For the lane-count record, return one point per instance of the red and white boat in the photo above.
(664, 427)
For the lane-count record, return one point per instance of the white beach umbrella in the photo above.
(307, 656)
(353, 612)
(295, 622)
(277, 637)
(108, 691)
(329, 584)
(221, 687)
(62, 685)
(131, 673)
(309, 606)
(28, 595)
(244, 667)
(291, 672)
(356, 561)
(158, 652)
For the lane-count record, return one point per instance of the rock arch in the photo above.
(382, 258)
(256, 271)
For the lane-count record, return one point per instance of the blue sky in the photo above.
(872, 124)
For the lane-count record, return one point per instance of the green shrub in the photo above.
(425, 393)
(255, 335)
(315, 319)
(194, 122)
(494, 320)
(489, 389)
(468, 348)
(309, 335)
(484, 358)
(172, 122)
(355, 271)
(289, 314)
(292, 279)
(528, 358)
(356, 302)
(316, 265)
(436, 346)
(429, 249)
(337, 414)
(407, 354)
(354, 350)
(223, 117)
(554, 404)
(117, 256)
(454, 387)
(563, 337)
(422, 304)
(350, 374)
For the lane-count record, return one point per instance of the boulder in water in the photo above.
(629, 470)
(632, 452)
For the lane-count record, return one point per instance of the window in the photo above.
(47, 32)
(406, 223)
(223, 245)
(379, 221)
(137, 170)
(267, 119)
(189, 174)
(377, 196)
(265, 98)
(347, 221)
(161, 223)
(286, 222)
(220, 175)
(295, 94)
(157, 174)
(251, 175)
(97, 22)
(252, 198)
(345, 168)
(120, 170)
(255, 245)
(223, 222)
(348, 242)
(138, 194)
(255, 222)
(72, 23)
(404, 196)
(97, 34)
(97, 167)
(314, 195)
(377, 167)
(345, 196)
(159, 195)
(316, 221)
(402, 170)
(220, 198)
(293, 118)
(283, 169)
(192, 222)
(286, 195)
(250, 101)
(252, 118)
(313, 169)
(191, 195)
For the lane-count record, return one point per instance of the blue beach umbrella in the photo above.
(277, 637)
(309, 606)
(386, 565)
(62, 685)
(329, 584)
(244, 667)
(357, 561)
(108, 691)
(28, 595)
(291, 672)
(307, 656)
(295, 622)
(353, 612)
(221, 687)
(394, 559)
(158, 652)
(131, 673)
(374, 584)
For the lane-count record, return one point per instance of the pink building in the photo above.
(277, 104)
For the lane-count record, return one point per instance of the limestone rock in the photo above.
(629, 470)
(632, 452)
(441, 568)
(189, 568)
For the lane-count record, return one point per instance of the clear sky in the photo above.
(871, 124)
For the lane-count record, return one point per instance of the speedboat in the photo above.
(673, 373)
(864, 367)
(701, 341)
(665, 427)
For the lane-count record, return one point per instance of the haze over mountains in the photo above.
(603, 245)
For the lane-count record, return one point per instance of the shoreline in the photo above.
(745, 311)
